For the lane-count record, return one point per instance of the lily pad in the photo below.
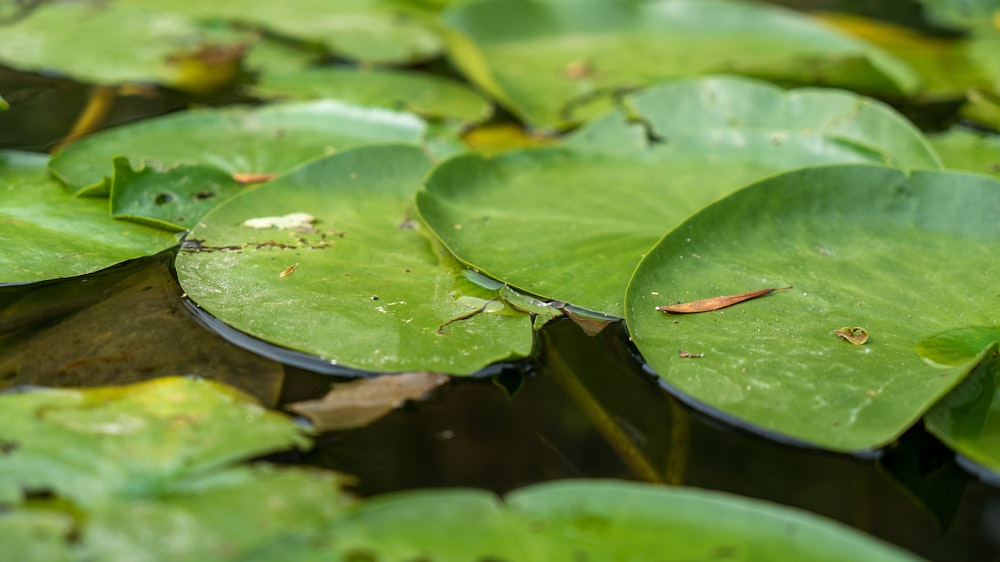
(359, 283)
(570, 223)
(963, 149)
(144, 440)
(429, 96)
(269, 140)
(47, 234)
(376, 31)
(900, 256)
(173, 199)
(968, 419)
(556, 62)
(136, 46)
(596, 520)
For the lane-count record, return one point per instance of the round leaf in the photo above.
(570, 223)
(378, 31)
(110, 43)
(269, 140)
(596, 520)
(899, 256)
(337, 268)
(47, 233)
(963, 149)
(549, 61)
(429, 96)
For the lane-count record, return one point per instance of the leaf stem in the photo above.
(98, 105)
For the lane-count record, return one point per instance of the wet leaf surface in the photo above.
(267, 140)
(172, 199)
(570, 223)
(360, 402)
(553, 63)
(370, 292)
(47, 234)
(912, 239)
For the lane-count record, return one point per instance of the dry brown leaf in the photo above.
(715, 303)
(247, 178)
(855, 335)
(361, 402)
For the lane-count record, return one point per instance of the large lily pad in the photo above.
(570, 223)
(595, 520)
(379, 31)
(352, 277)
(47, 233)
(549, 61)
(898, 256)
(143, 440)
(429, 96)
(108, 43)
(269, 140)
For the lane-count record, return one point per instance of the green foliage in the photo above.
(895, 254)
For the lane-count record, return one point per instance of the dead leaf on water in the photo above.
(715, 303)
(358, 403)
(855, 335)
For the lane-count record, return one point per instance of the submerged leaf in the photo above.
(715, 303)
(358, 403)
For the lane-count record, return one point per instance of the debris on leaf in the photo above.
(291, 269)
(291, 220)
(715, 303)
(578, 69)
(856, 335)
(687, 355)
(358, 403)
(248, 178)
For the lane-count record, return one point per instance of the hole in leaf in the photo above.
(202, 195)
(163, 198)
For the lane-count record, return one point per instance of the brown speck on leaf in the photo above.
(855, 335)
(578, 69)
(687, 355)
(869, 393)
(253, 178)
(291, 269)
(715, 303)
(458, 227)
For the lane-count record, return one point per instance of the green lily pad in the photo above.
(968, 419)
(3, 104)
(556, 62)
(36, 534)
(963, 149)
(377, 31)
(328, 260)
(47, 233)
(898, 256)
(136, 45)
(144, 440)
(429, 96)
(269, 140)
(596, 520)
(173, 199)
(983, 107)
(570, 223)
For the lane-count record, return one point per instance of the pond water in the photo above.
(583, 407)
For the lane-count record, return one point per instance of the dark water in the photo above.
(583, 407)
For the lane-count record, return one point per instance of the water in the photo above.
(583, 408)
